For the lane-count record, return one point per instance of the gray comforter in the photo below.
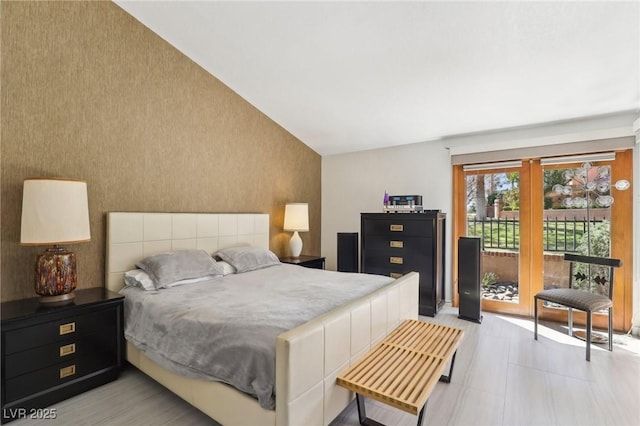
(225, 329)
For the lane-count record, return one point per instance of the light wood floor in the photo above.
(501, 377)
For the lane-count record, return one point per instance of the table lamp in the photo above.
(55, 212)
(296, 219)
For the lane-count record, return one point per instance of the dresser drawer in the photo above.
(379, 263)
(34, 359)
(396, 226)
(21, 339)
(393, 257)
(389, 271)
(46, 378)
(399, 245)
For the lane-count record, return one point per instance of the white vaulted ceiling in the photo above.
(348, 76)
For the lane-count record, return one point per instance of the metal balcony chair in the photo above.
(583, 300)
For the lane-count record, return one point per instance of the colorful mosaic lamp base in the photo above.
(56, 276)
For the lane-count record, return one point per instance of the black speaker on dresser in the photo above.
(348, 251)
(469, 296)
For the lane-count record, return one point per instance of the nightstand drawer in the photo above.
(34, 359)
(60, 330)
(46, 378)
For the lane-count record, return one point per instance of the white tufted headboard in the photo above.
(133, 236)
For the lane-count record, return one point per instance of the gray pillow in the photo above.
(247, 258)
(168, 267)
(139, 278)
(227, 268)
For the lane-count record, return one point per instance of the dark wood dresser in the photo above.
(52, 353)
(397, 243)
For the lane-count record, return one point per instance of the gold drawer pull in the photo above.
(396, 228)
(67, 371)
(395, 275)
(67, 328)
(396, 260)
(67, 349)
(396, 244)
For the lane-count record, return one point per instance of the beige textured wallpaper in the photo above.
(89, 93)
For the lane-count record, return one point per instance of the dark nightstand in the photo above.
(53, 353)
(315, 262)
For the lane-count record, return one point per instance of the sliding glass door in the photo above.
(578, 218)
(529, 213)
(494, 205)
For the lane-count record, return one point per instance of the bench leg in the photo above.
(362, 413)
(421, 415)
(447, 379)
(365, 421)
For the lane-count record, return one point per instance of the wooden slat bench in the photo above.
(402, 370)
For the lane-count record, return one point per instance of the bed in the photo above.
(307, 358)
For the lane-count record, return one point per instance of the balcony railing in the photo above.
(560, 235)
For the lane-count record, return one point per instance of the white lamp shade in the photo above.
(296, 217)
(54, 211)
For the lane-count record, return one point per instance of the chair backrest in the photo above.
(597, 270)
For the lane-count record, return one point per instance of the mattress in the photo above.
(225, 329)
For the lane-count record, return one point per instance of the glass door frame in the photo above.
(621, 235)
(531, 242)
(525, 296)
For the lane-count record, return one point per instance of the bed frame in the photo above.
(308, 358)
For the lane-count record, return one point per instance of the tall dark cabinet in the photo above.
(397, 243)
